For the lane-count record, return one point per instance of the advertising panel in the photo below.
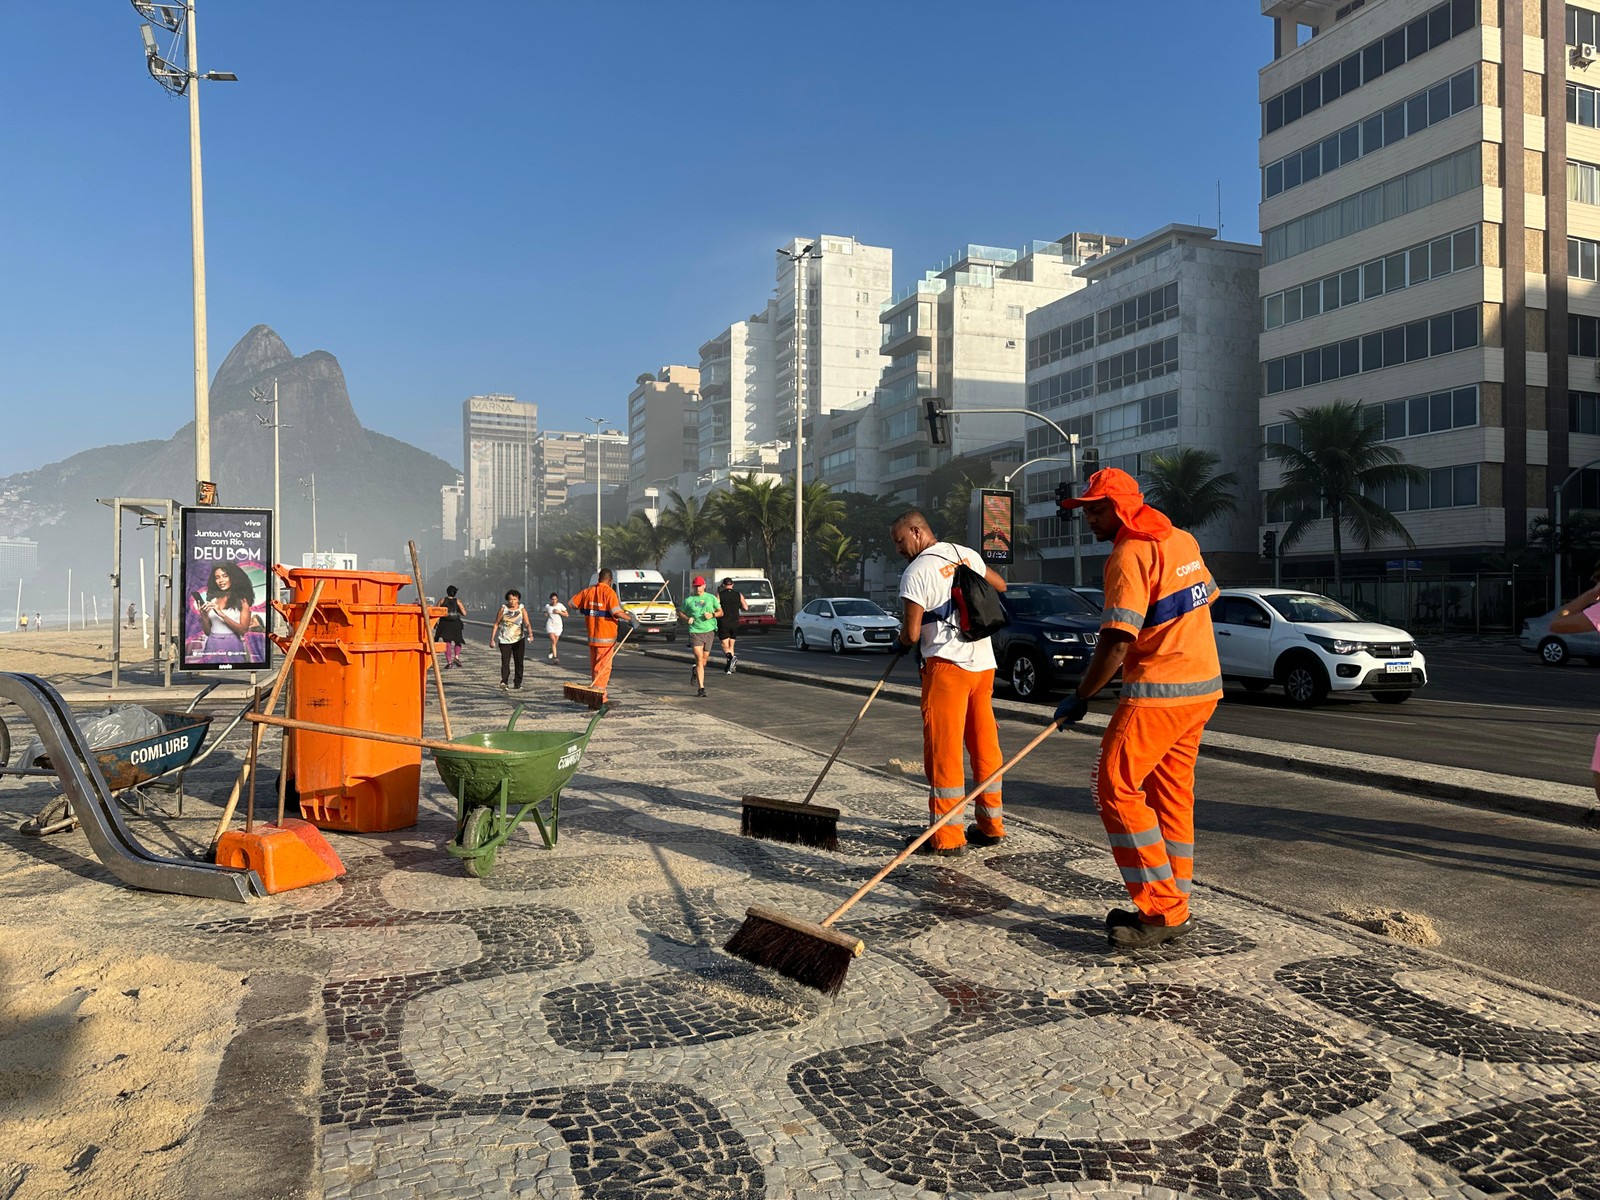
(226, 588)
(995, 510)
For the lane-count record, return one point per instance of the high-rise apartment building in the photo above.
(1158, 351)
(1430, 224)
(738, 394)
(663, 430)
(840, 285)
(499, 433)
(958, 333)
(568, 463)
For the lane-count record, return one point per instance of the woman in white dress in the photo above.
(553, 612)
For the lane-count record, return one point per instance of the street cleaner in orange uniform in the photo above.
(957, 685)
(602, 609)
(1157, 629)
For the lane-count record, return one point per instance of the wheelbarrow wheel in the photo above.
(475, 831)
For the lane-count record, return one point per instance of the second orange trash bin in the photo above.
(363, 665)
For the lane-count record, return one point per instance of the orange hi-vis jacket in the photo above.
(1161, 592)
(597, 602)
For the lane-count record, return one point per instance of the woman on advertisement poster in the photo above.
(225, 608)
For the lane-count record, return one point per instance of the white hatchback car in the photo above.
(1311, 645)
(844, 623)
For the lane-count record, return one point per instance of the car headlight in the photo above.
(1336, 645)
(852, 628)
(1061, 637)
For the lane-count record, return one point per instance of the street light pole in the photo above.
(797, 258)
(597, 422)
(177, 16)
(277, 476)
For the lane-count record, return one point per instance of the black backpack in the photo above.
(976, 609)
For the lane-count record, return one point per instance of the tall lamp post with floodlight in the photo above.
(599, 483)
(797, 258)
(177, 18)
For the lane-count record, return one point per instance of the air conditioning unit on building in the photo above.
(1585, 54)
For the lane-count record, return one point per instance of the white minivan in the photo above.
(647, 600)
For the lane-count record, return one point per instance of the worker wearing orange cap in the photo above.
(602, 609)
(1157, 630)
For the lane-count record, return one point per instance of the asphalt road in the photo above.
(1489, 706)
(1509, 893)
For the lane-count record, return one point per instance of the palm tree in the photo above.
(575, 552)
(838, 553)
(822, 511)
(691, 522)
(1340, 461)
(866, 522)
(1184, 485)
(757, 506)
(723, 513)
(653, 541)
(950, 489)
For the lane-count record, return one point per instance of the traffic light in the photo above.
(938, 423)
(1269, 544)
(1063, 494)
(1091, 460)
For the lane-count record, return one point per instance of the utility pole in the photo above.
(797, 258)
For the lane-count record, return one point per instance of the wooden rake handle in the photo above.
(871, 696)
(371, 735)
(942, 821)
(427, 638)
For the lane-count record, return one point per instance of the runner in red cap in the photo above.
(701, 611)
(1157, 630)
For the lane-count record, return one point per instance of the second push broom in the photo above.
(806, 824)
(811, 952)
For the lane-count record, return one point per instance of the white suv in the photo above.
(1311, 645)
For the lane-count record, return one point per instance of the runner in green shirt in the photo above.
(701, 611)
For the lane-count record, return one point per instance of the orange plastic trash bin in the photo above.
(363, 665)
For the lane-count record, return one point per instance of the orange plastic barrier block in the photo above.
(283, 855)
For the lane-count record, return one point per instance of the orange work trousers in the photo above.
(600, 660)
(1143, 787)
(956, 712)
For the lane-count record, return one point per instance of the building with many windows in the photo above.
(958, 334)
(499, 433)
(1157, 352)
(567, 464)
(663, 431)
(1430, 184)
(738, 407)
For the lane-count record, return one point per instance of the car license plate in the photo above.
(1396, 668)
(878, 635)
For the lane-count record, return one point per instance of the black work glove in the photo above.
(1070, 711)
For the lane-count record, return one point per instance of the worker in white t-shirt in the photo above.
(957, 685)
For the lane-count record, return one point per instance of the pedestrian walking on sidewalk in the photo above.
(553, 625)
(1156, 629)
(510, 633)
(1582, 615)
(701, 611)
(452, 627)
(957, 684)
(731, 601)
(601, 608)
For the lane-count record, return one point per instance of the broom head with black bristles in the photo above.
(587, 696)
(804, 951)
(786, 821)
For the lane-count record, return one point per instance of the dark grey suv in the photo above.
(1051, 637)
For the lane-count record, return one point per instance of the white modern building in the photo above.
(568, 464)
(738, 393)
(499, 433)
(452, 503)
(1430, 222)
(958, 334)
(1157, 352)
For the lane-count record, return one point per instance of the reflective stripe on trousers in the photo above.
(956, 712)
(1143, 788)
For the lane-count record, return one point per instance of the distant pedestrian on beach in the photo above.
(553, 625)
(133, 613)
(38, 622)
(731, 601)
(451, 629)
(22, 622)
(510, 633)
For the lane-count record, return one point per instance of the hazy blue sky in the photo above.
(547, 199)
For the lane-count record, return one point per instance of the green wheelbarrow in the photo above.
(494, 792)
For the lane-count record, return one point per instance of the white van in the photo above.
(648, 602)
(760, 611)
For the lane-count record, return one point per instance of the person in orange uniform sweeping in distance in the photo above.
(1157, 630)
(957, 685)
(601, 608)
